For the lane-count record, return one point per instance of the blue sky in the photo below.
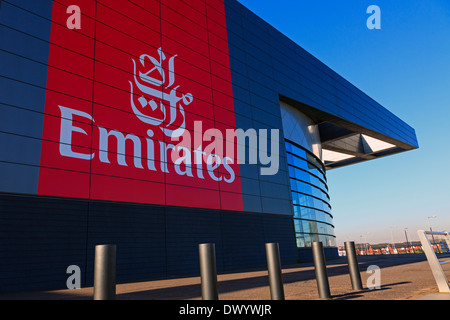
(405, 66)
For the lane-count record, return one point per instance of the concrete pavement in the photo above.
(402, 277)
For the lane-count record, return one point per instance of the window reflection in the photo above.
(310, 199)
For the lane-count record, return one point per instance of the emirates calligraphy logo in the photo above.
(159, 104)
(157, 101)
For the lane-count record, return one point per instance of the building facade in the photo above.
(120, 124)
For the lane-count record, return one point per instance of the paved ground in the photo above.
(403, 277)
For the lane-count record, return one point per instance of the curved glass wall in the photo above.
(312, 210)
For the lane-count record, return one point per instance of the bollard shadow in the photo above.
(193, 291)
(360, 293)
(183, 292)
(334, 267)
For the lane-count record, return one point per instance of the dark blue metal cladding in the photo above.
(256, 105)
(24, 47)
(274, 65)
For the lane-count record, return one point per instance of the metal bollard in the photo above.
(208, 272)
(321, 270)
(353, 267)
(274, 268)
(105, 272)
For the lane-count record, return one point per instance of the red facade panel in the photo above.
(132, 99)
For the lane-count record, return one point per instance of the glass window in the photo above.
(312, 219)
(297, 212)
(314, 237)
(298, 226)
(300, 241)
(323, 239)
(288, 147)
(307, 240)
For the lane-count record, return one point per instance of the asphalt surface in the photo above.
(402, 277)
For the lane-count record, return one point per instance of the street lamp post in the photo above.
(429, 224)
(406, 235)
(361, 246)
(392, 239)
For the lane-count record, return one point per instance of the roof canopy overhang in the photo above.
(344, 142)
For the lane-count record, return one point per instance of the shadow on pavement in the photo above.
(193, 291)
(359, 294)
